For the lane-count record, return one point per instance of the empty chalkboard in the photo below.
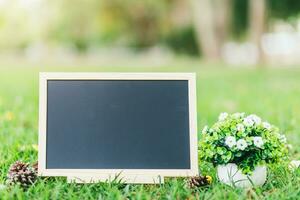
(118, 124)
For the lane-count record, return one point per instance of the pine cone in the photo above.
(199, 181)
(21, 173)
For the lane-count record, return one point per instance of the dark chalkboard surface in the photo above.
(117, 124)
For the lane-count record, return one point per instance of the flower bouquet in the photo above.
(241, 146)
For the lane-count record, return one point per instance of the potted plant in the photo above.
(241, 147)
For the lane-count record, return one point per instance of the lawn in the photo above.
(273, 94)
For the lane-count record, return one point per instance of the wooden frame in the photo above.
(140, 175)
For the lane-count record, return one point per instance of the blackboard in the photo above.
(117, 124)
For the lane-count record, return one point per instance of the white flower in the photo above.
(223, 116)
(266, 125)
(240, 127)
(248, 122)
(2, 187)
(255, 118)
(241, 144)
(294, 164)
(238, 115)
(230, 141)
(204, 130)
(258, 141)
(282, 138)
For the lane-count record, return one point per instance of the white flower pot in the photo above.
(231, 175)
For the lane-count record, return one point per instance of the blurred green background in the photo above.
(235, 32)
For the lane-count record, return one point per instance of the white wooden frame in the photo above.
(42, 171)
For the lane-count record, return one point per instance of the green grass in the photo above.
(273, 94)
